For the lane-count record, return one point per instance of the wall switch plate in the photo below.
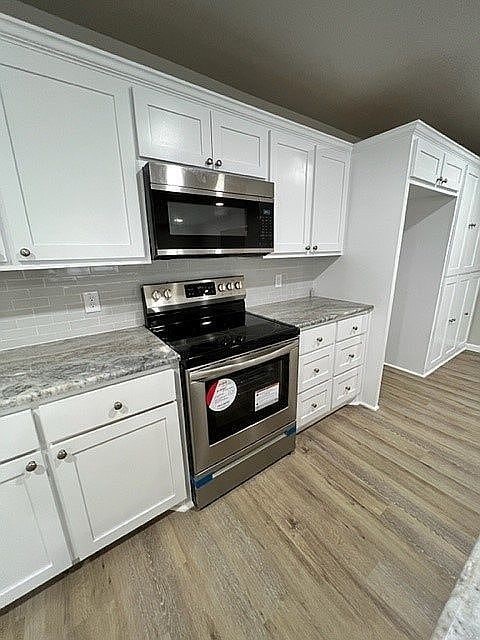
(278, 279)
(91, 300)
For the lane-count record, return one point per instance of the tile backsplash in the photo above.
(44, 305)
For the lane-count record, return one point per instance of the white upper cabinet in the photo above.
(241, 146)
(464, 253)
(177, 129)
(67, 162)
(32, 544)
(291, 169)
(431, 164)
(172, 128)
(330, 193)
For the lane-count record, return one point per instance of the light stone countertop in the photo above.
(460, 619)
(40, 373)
(310, 312)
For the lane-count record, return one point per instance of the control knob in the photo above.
(238, 284)
(230, 286)
(221, 287)
(156, 295)
(167, 294)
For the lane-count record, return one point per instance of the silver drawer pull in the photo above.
(354, 328)
(31, 466)
(351, 355)
(117, 406)
(316, 370)
(320, 339)
(62, 454)
(348, 389)
(314, 405)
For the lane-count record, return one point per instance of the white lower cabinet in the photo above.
(330, 376)
(32, 544)
(116, 478)
(453, 317)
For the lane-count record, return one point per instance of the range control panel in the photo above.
(172, 294)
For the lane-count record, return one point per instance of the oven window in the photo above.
(243, 398)
(214, 219)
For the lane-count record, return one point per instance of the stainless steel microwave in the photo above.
(204, 212)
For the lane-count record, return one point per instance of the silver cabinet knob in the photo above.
(316, 370)
(351, 355)
(117, 406)
(209, 161)
(320, 339)
(348, 389)
(314, 405)
(62, 454)
(315, 247)
(307, 248)
(354, 328)
(218, 163)
(467, 313)
(25, 252)
(31, 466)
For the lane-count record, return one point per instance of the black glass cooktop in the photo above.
(217, 331)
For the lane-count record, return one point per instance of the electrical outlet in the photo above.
(278, 279)
(91, 300)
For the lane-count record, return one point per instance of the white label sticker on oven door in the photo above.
(221, 394)
(267, 396)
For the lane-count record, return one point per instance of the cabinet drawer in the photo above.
(316, 338)
(314, 404)
(65, 418)
(315, 368)
(346, 387)
(351, 327)
(18, 435)
(349, 354)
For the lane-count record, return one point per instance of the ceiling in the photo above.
(363, 66)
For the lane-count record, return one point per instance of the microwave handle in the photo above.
(242, 362)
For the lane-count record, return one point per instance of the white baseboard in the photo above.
(368, 406)
(412, 373)
(185, 506)
(472, 347)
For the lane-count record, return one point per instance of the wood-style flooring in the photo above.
(358, 535)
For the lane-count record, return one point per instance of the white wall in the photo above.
(374, 230)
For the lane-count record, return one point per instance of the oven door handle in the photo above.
(242, 363)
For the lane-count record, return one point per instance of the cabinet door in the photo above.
(452, 171)
(240, 145)
(172, 128)
(441, 323)
(468, 309)
(32, 544)
(68, 168)
(471, 249)
(467, 225)
(115, 478)
(291, 169)
(330, 191)
(427, 162)
(455, 316)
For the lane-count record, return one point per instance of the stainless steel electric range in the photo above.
(239, 376)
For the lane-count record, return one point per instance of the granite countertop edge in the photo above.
(56, 370)
(307, 313)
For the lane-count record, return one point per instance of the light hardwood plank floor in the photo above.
(360, 534)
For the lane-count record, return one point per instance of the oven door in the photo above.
(199, 224)
(234, 403)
